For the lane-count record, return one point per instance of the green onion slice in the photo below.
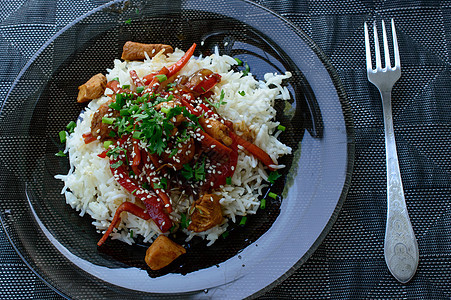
(62, 135)
(161, 77)
(263, 203)
(106, 120)
(107, 144)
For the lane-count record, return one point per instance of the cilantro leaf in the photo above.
(273, 176)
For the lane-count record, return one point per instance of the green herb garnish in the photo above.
(109, 121)
(62, 135)
(246, 70)
(107, 144)
(273, 176)
(161, 77)
(71, 126)
(263, 203)
(60, 154)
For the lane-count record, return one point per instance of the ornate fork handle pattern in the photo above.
(400, 246)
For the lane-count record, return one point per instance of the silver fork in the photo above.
(400, 246)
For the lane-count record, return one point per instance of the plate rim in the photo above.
(344, 103)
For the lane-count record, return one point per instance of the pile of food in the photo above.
(169, 142)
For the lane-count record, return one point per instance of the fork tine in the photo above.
(367, 48)
(376, 47)
(386, 51)
(395, 45)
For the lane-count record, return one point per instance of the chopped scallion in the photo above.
(60, 154)
(229, 180)
(281, 127)
(62, 135)
(107, 144)
(246, 70)
(243, 221)
(115, 79)
(242, 93)
(126, 86)
(114, 105)
(239, 61)
(161, 77)
(106, 120)
(263, 203)
(165, 109)
(225, 234)
(71, 126)
(129, 21)
(112, 134)
(272, 195)
(139, 89)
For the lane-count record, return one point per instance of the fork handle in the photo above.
(400, 246)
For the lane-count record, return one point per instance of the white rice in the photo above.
(89, 186)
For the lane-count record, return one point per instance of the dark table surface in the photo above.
(350, 262)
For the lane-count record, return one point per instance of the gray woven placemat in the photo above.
(350, 262)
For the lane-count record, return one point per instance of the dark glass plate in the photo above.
(60, 247)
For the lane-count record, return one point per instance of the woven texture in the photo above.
(350, 262)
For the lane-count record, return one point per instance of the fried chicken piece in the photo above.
(98, 128)
(92, 89)
(207, 213)
(217, 130)
(135, 51)
(162, 252)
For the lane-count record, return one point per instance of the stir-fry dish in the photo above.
(169, 142)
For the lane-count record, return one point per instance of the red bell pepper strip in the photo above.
(136, 157)
(114, 86)
(148, 78)
(128, 207)
(227, 170)
(154, 206)
(190, 108)
(175, 68)
(208, 112)
(207, 84)
(254, 150)
(135, 78)
(103, 154)
(208, 141)
(88, 137)
(160, 192)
